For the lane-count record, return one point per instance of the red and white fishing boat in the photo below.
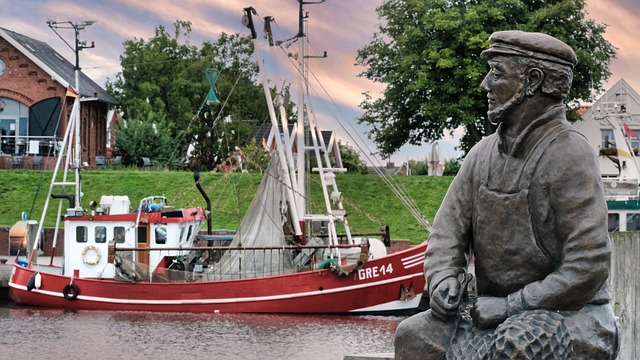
(154, 259)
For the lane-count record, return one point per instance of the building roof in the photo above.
(55, 65)
(389, 169)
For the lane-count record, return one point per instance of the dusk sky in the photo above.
(340, 27)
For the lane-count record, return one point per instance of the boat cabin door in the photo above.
(143, 245)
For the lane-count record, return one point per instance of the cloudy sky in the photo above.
(339, 27)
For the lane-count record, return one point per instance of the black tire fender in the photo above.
(70, 292)
(31, 283)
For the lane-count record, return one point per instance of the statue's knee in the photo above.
(422, 337)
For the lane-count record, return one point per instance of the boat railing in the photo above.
(214, 263)
(241, 248)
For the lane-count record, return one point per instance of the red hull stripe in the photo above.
(221, 301)
(413, 260)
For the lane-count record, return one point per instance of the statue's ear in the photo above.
(535, 77)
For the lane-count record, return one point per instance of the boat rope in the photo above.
(395, 187)
(349, 270)
(197, 113)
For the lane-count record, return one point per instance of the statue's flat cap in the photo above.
(530, 44)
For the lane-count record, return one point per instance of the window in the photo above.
(118, 234)
(142, 235)
(189, 233)
(607, 139)
(161, 234)
(614, 222)
(633, 222)
(101, 234)
(81, 234)
(181, 232)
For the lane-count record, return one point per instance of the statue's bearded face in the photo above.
(504, 85)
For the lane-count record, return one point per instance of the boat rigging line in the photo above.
(398, 189)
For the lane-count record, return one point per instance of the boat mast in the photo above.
(334, 211)
(306, 126)
(247, 20)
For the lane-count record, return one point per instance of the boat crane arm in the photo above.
(247, 20)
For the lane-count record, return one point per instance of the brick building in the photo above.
(34, 107)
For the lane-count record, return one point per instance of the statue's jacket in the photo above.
(532, 210)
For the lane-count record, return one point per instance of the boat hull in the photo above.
(389, 285)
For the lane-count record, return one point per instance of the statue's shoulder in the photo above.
(486, 144)
(573, 142)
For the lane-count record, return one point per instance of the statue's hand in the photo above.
(489, 312)
(446, 299)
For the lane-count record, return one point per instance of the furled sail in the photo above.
(261, 227)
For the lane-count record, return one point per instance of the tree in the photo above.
(451, 167)
(427, 54)
(166, 75)
(351, 160)
(420, 168)
(255, 158)
(147, 137)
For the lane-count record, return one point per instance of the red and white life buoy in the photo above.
(91, 255)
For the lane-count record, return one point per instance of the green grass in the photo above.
(367, 199)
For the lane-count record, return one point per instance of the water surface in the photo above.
(31, 333)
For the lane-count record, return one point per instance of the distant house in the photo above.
(35, 108)
(389, 169)
(624, 102)
(266, 137)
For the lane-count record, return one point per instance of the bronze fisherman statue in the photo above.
(528, 207)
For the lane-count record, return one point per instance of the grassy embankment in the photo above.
(368, 201)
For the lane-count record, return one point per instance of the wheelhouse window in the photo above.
(118, 234)
(142, 235)
(101, 234)
(161, 234)
(189, 233)
(181, 233)
(81, 234)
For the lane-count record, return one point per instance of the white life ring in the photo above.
(91, 260)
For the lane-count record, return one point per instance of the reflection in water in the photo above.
(30, 333)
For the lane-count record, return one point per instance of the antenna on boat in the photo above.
(302, 15)
(78, 46)
(72, 130)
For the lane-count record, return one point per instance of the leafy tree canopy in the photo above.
(255, 158)
(351, 160)
(146, 137)
(427, 54)
(166, 75)
(451, 167)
